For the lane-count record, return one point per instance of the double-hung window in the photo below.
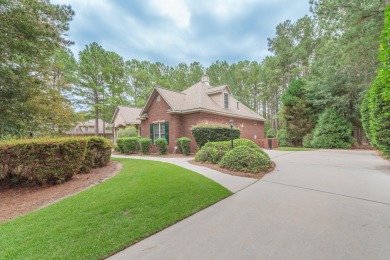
(159, 130)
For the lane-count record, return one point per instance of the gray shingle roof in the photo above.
(199, 98)
(129, 114)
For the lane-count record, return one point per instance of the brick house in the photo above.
(172, 114)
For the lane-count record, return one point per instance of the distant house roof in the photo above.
(128, 114)
(199, 98)
(90, 124)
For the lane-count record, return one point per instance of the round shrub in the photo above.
(119, 144)
(145, 144)
(245, 159)
(207, 154)
(98, 153)
(224, 147)
(130, 144)
(184, 144)
(162, 145)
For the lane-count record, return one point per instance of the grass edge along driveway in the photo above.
(146, 197)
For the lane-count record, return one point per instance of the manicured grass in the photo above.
(295, 149)
(144, 198)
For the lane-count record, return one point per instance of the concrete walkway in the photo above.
(316, 205)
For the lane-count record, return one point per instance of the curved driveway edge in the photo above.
(325, 204)
(232, 183)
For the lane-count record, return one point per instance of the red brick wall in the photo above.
(263, 143)
(180, 125)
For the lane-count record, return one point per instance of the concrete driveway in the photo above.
(325, 204)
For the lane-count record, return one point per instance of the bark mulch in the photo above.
(235, 173)
(16, 201)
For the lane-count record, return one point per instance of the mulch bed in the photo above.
(235, 173)
(19, 200)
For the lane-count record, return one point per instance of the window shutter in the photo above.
(151, 132)
(167, 131)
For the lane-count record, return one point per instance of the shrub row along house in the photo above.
(169, 114)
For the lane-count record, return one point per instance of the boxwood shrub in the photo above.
(213, 133)
(207, 154)
(162, 145)
(223, 147)
(184, 144)
(40, 161)
(145, 144)
(130, 144)
(245, 159)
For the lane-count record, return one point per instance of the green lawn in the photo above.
(144, 198)
(295, 149)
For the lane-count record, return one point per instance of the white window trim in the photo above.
(161, 125)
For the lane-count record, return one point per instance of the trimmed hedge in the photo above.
(40, 161)
(213, 133)
(145, 144)
(245, 159)
(130, 144)
(98, 153)
(162, 145)
(184, 144)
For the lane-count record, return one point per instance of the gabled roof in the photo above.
(197, 98)
(129, 114)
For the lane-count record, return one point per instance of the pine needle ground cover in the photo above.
(144, 198)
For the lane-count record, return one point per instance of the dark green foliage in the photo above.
(376, 104)
(296, 113)
(162, 145)
(128, 144)
(307, 140)
(98, 153)
(119, 144)
(365, 114)
(332, 131)
(184, 144)
(245, 159)
(214, 151)
(213, 133)
(271, 133)
(207, 154)
(145, 144)
(40, 161)
(283, 138)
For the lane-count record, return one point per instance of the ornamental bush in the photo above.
(162, 145)
(332, 131)
(184, 144)
(145, 144)
(128, 144)
(223, 147)
(120, 144)
(213, 133)
(98, 153)
(207, 154)
(40, 161)
(245, 159)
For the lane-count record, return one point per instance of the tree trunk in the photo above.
(96, 112)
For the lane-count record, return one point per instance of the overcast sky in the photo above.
(174, 31)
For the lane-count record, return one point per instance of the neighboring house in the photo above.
(123, 117)
(88, 129)
(171, 114)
